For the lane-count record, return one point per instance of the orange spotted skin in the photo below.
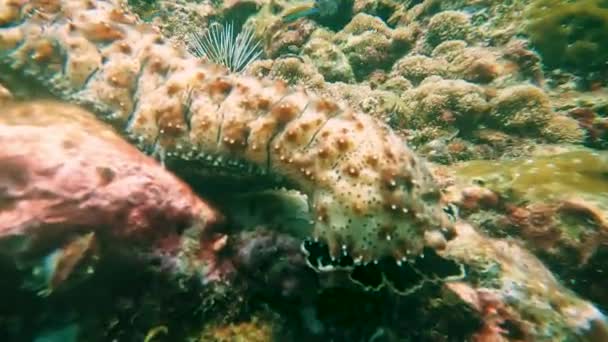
(371, 196)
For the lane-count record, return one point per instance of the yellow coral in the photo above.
(578, 172)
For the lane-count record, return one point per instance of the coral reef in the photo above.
(368, 226)
(554, 201)
(291, 70)
(416, 68)
(473, 64)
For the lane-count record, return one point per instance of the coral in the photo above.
(382, 8)
(396, 84)
(552, 176)
(595, 126)
(448, 25)
(527, 61)
(522, 109)
(281, 39)
(175, 18)
(444, 103)
(473, 64)
(381, 104)
(369, 44)
(372, 197)
(331, 62)
(563, 129)
(416, 68)
(569, 34)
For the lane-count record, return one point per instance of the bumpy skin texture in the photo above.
(372, 197)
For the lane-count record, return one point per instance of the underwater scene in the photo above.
(303, 170)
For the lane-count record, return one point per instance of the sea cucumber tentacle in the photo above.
(371, 195)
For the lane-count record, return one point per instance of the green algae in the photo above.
(575, 173)
(570, 34)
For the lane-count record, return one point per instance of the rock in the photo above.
(64, 175)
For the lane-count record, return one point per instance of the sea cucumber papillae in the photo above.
(371, 196)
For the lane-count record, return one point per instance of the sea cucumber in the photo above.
(371, 195)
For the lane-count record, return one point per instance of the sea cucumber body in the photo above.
(372, 197)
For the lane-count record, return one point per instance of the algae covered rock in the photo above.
(570, 34)
(577, 172)
(554, 201)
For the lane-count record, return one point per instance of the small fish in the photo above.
(324, 8)
(61, 264)
(299, 11)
